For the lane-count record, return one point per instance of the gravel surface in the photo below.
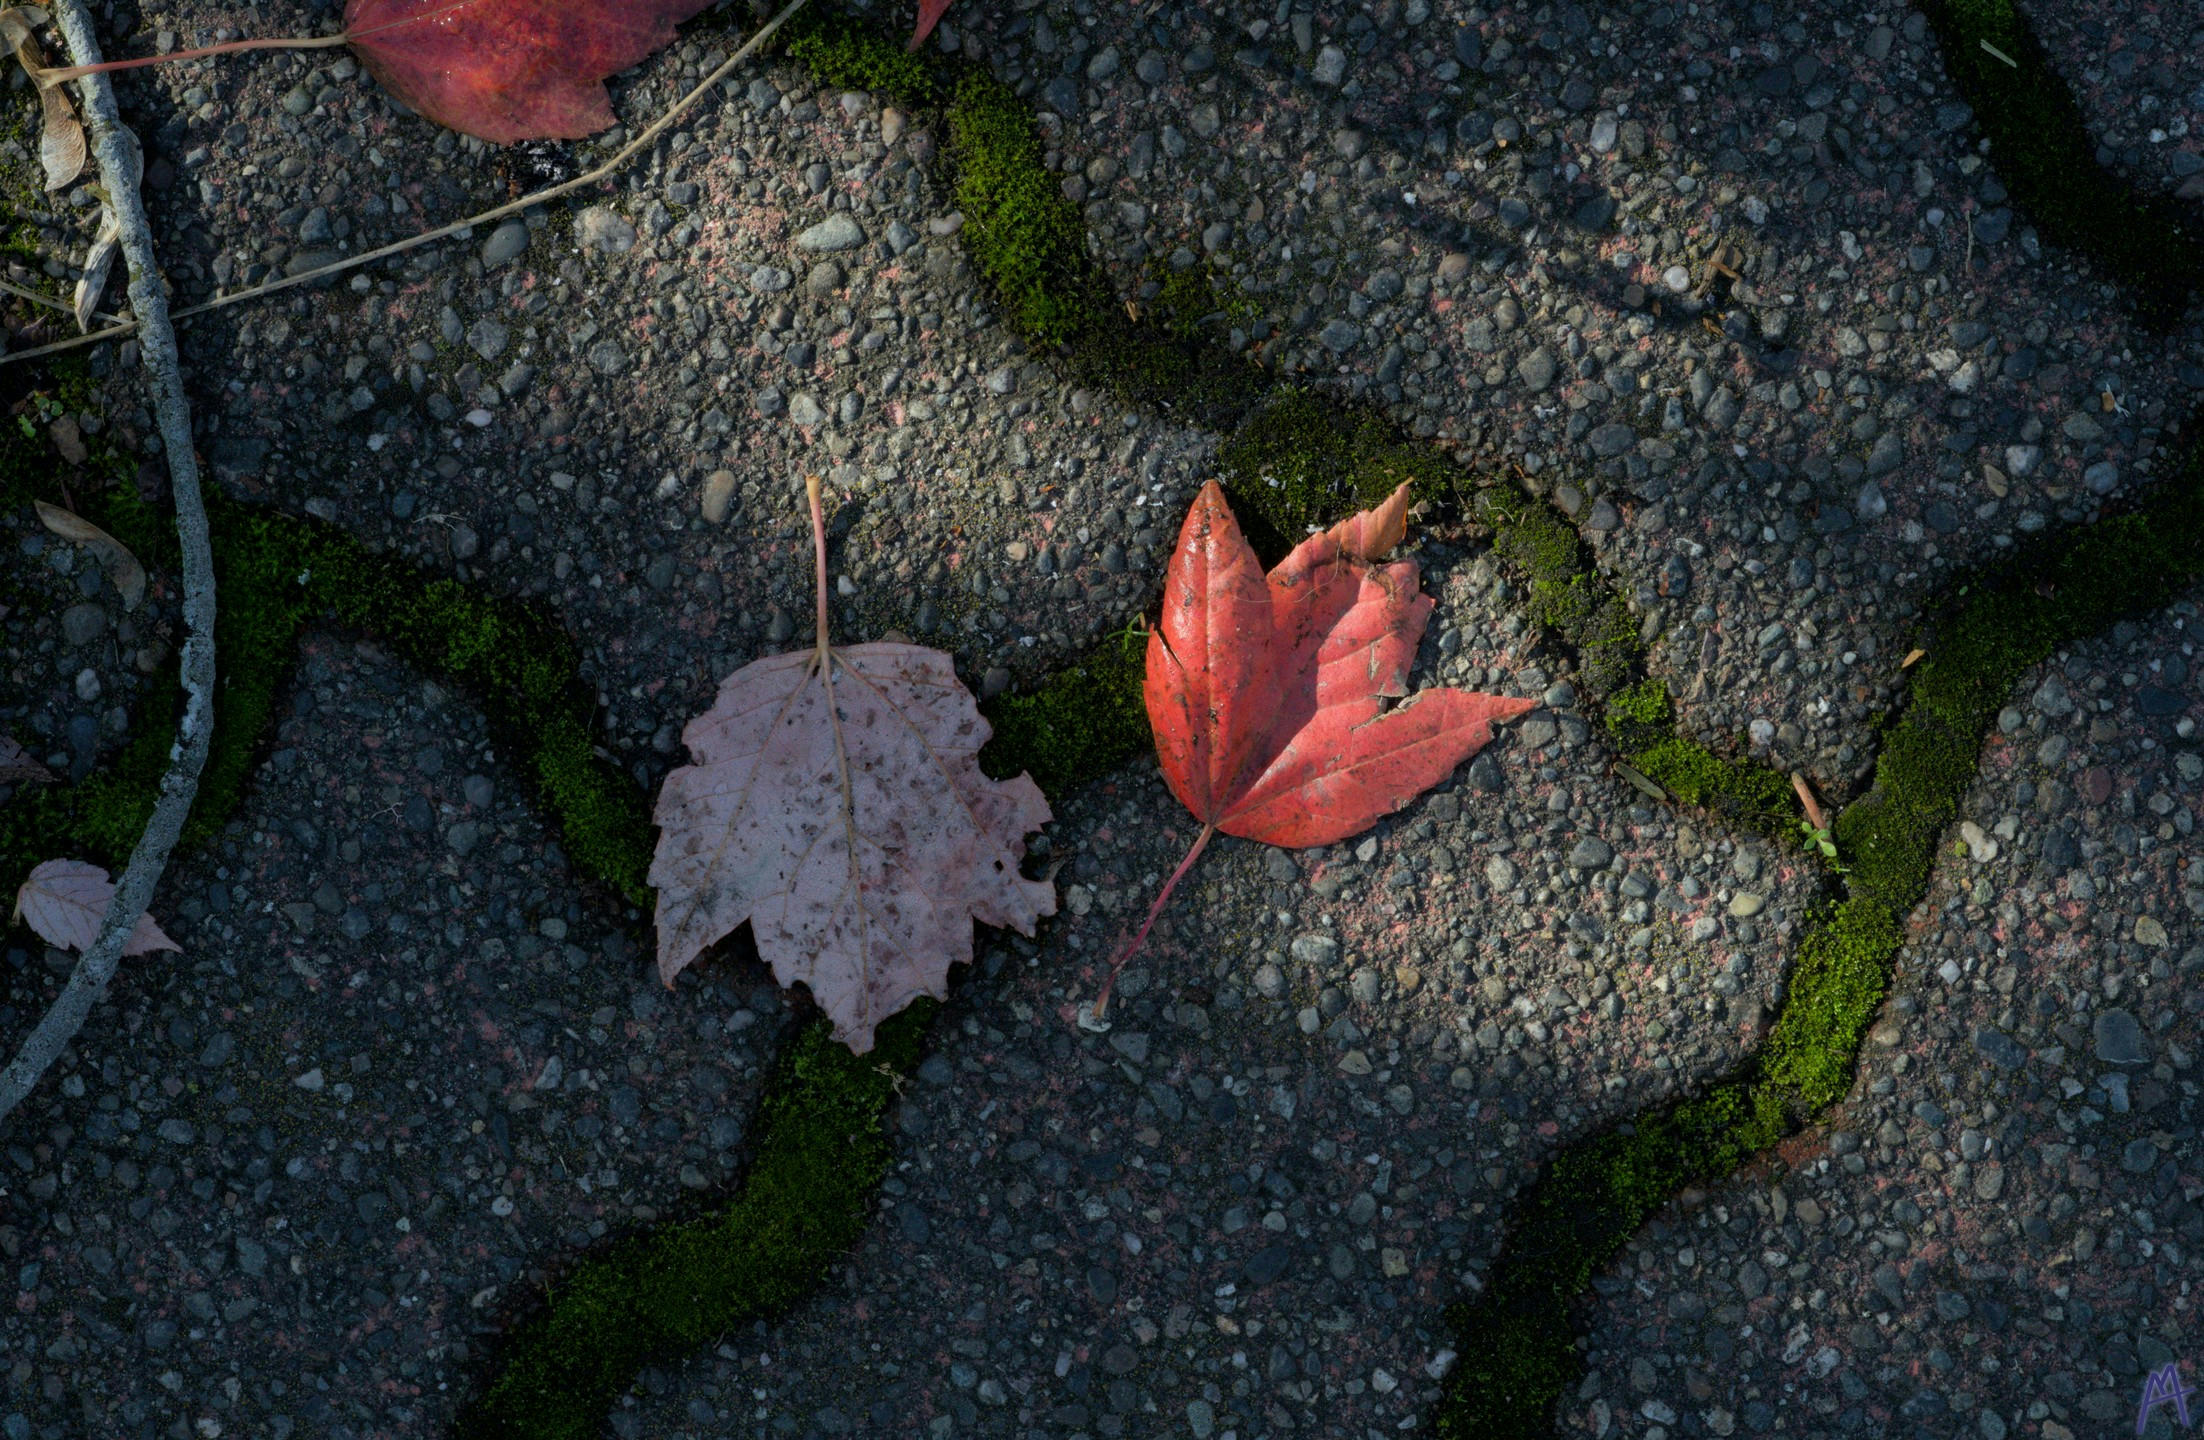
(1499, 226)
(75, 658)
(245, 1205)
(405, 1069)
(1249, 1200)
(2138, 86)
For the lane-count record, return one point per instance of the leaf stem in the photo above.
(77, 72)
(1163, 897)
(232, 47)
(819, 558)
(1806, 798)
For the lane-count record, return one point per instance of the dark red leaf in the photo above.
(508, 70)
(929, 15)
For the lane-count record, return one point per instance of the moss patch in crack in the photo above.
(1302, 461)
(275, 574)
(1516, 1338)
(1642, 721)
(822, 1150)
(1086, 720)
(2042, 149)
(1024, 236)
(852, 54)
(1566, 592)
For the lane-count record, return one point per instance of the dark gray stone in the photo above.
(2119, 1039)
(1613, 438)
(2000, 1049)
(1339, 336)
(1591, 853)
(1062, 96)
(837, 232)
(506, 242)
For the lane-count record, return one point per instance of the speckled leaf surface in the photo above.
(64, 902)
(834, 800)
(1269, 693)
(507, 70)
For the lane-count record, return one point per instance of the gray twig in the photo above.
(111, 146)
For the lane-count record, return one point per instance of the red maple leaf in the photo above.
(1269, 694)
(508, 70)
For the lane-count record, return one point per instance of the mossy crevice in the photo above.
(1567, 595)
(1027, 239)
(852, 54)
(1302, 461)
(275, 574)
(1088, 718)
(1517, 1339)
(1642, 721)
(822, 1150)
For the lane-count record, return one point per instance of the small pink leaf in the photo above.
(15, 765)
(64, 902)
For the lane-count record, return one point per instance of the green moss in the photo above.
(1186, 299)
(1643, 706)
(1027, 239)
(822, 1149)
(1642, 721)
(2043, 151)
(1301, 462)
(1023, 235)
(1516, 1339)
(518, 663)
(275, 574)
(1086, 720)
(850, 54)
(1566, 593)
(1836, 985)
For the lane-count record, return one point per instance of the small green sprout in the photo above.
(1820, 838)
(1815, 827)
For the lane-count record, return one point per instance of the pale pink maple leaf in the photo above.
(64, 902)
(835, 801)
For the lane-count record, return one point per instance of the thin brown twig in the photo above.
(1814, 816)
(626, 153)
